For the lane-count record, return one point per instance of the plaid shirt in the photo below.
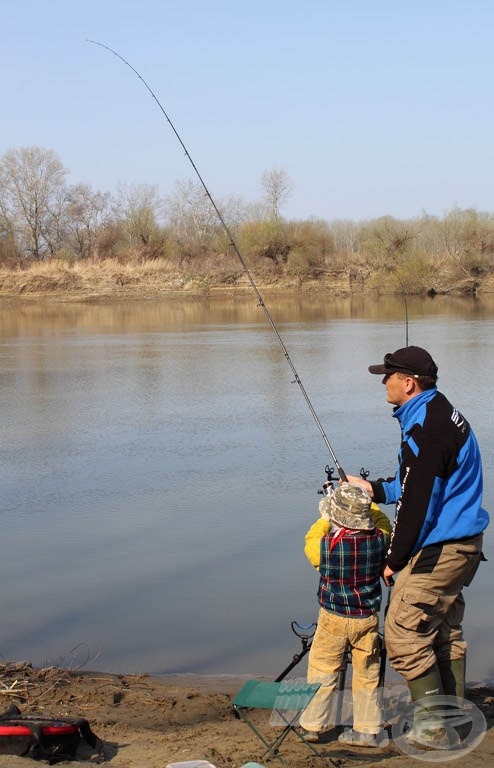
(350, 574)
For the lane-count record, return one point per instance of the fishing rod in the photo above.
(236, 250)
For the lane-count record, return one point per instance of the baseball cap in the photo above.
(413, 360)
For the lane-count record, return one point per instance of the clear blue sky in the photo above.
(372, 108)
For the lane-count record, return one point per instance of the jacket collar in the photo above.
(407, 412)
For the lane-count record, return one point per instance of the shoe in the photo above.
(434, 738)
(359, 739)
(316, 737)
(312, 737)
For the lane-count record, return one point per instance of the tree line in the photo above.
(42, 217)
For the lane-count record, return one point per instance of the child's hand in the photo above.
(324, 508)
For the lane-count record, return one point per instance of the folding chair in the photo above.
(285, 703)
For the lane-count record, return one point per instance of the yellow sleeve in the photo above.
(380, 519)
(313, 538)
(321, 527)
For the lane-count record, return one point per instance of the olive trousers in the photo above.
(424, 620)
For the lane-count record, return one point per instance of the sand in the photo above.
(146, 721)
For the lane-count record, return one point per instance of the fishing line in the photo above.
(404, 294)
(233, 244)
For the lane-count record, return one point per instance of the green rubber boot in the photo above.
(452, 673)
(429, 728)
(428, 684)
(453, 679)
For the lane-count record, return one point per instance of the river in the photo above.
(159, 469)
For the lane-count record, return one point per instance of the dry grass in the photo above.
(135, 277)
(88, 277)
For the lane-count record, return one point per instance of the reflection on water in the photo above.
(32, 317)
(159, 469)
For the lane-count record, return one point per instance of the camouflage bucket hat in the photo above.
(349, 507)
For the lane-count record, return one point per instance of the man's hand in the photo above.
(363, 483)
(387, 575)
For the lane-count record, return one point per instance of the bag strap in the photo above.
(11, 711)
(89, 735)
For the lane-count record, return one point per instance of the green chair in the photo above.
(286, 702)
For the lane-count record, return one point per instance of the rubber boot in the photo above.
(452, 673)
(453, 680)
(429, 728)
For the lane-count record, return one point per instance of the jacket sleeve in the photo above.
(313, 538)
(420, 488)
(381, 521)
(384, 491)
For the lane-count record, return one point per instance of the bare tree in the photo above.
(193, 222)
(469, 239)
(388, 240)
(31, 192)
(86, 212)
(346, 236)
(141, 208)
(190, 213)
(277, 188)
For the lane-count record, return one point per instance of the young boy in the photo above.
(347, 545)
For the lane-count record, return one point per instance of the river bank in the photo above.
(146, 721)
(110, 279)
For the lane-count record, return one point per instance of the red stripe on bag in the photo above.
(46, 730)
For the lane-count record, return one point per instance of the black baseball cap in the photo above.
(413, 360)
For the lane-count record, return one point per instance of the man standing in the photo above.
(436, 543)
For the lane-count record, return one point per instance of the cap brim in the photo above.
(378, 369)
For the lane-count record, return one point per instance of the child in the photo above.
(348, 546)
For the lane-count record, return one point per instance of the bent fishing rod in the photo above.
(246, 269)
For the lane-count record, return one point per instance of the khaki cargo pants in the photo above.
(333, 635)
(423, 623)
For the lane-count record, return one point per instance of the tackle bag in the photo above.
(43, 737)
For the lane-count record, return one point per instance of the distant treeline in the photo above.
(43, 218)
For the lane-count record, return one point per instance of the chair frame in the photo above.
(259, 694)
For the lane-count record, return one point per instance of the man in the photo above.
(436, 543)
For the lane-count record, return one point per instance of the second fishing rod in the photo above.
(233, 245)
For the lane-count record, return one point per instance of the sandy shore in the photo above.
(151, 722)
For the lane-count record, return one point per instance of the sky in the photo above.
(371, 108)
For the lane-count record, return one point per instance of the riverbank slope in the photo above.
(111, 279)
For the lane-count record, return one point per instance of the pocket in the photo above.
(473, 560)
(419, 611)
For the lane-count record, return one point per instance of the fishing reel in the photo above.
(328, 486)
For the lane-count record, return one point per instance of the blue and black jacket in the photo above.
(438, 486)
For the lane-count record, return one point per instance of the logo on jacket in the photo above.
(458, 420)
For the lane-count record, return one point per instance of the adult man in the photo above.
(436, 544)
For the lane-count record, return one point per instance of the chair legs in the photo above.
(285, 705)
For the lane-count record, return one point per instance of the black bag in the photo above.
(44, 738)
